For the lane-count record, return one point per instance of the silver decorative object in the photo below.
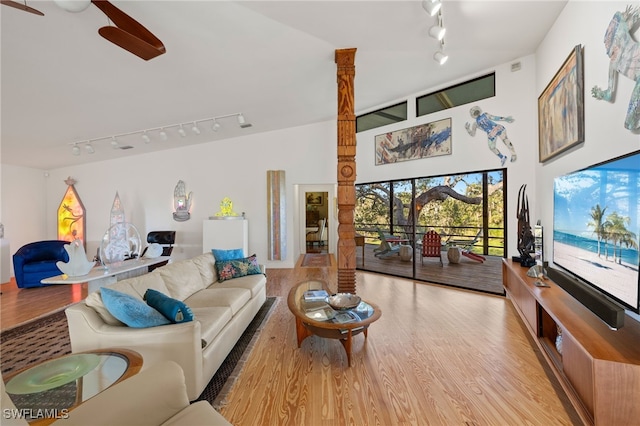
(181, 202)
(343, 301)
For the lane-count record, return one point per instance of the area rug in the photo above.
(316, 260)
(48, 337)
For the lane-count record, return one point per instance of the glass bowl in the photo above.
(343, 301)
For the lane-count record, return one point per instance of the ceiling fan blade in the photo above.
(130, 43)
(128, 25)
(21, 6)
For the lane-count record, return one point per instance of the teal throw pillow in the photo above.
(228, 269)
(131, 311)
(220, 254)
(173, 309)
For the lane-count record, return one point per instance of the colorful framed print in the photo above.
(561, 108)
(423, 141)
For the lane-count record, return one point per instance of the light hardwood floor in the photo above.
(437, 356)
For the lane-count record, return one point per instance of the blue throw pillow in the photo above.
(173, 309)
(131, 311)
(233, 254)
(229, 269)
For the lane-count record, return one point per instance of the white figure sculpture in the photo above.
(78, 264)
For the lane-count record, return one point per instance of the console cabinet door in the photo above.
(578, 368)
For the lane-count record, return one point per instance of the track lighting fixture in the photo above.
(437, 32)
(431, 6)
(147, 134)
(440, 57)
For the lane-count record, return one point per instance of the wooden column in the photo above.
(345, 60)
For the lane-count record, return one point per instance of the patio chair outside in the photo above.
(386, 249)
(431, 246)
(465, 244)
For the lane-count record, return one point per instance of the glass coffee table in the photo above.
(316, 317)
(47, 391)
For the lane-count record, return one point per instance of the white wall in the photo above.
(235, 168)
(515, 92)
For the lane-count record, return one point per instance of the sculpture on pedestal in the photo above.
(526, 240)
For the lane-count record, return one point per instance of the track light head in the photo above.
(431, 6)
(437, 32)
(114, 143)
(215, 126)
(76, 149)
(195, 129)
(242, 122)
(163, 135)
(74, 6)
(89, 148)
(181, 131)
(440, 57)
(145, 137)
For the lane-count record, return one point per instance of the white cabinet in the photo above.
(227, 234)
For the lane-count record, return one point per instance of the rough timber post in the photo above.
(345, 60)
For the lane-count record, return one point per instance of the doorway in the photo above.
(316, 221)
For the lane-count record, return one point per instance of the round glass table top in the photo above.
(52, 374)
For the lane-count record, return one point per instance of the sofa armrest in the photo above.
(151, 397)
(176, 342)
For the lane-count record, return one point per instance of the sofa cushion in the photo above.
(235, 298)
(94, 300)
(141, 283)
(181, 278)
(212, 320)
(130, 310)
(174, 310)
(232, 254)
(206, 266)
(254, 283)
(229, 269)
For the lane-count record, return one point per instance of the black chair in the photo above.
(166, 239)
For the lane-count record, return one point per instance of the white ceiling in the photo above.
(61, 82)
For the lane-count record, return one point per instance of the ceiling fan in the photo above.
(127, 33)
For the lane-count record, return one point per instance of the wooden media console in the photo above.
(598, 367)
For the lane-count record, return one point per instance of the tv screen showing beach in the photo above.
(596, 227)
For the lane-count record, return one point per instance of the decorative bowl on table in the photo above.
(343, 301)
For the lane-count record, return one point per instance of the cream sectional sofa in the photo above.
(222, 311)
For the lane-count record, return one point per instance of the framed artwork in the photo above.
(71, 215)
(561, 108)
(315, 198)
(423, 141)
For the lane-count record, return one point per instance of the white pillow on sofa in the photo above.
(182, 279)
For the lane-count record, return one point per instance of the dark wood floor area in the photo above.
(469, 274)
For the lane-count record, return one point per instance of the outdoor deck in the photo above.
(485, 277)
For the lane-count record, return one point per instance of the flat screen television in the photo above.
(596, 227)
